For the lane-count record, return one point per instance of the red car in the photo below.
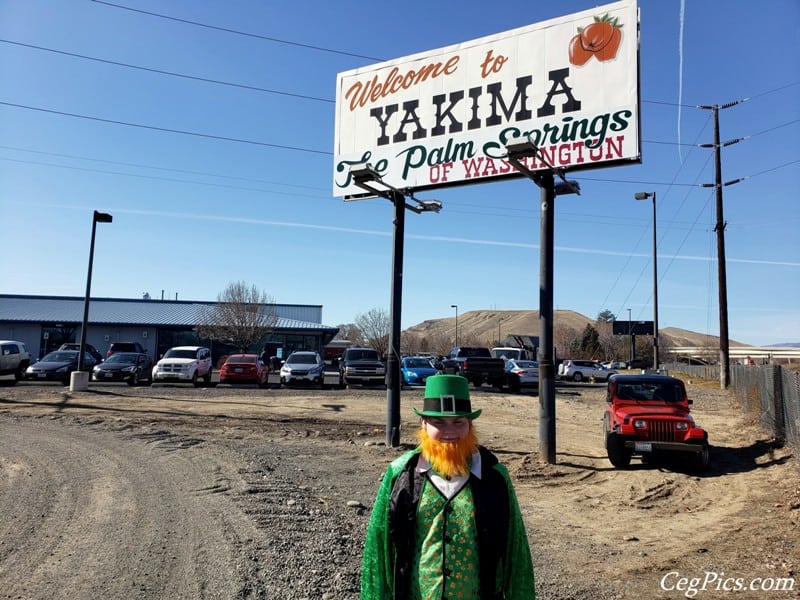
(648, 415)
(244, 368)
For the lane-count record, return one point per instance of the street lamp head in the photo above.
(430, 205)
(102, 217)
(362, 172)
(562, 188)
(520, 147)
(454, 306)
(644, 195)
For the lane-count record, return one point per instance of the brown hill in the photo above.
(487, 327)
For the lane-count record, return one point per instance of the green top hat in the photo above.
(447, 396)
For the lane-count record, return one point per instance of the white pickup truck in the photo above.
(510, 353)
(14, 359)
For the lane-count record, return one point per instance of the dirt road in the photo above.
(176, 492)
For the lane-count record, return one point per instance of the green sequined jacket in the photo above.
(506, 569)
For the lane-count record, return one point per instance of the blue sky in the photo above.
(211, 183)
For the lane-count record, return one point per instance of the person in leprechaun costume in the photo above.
(446, 524)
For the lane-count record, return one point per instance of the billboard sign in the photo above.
(632, 328)
(443, 117)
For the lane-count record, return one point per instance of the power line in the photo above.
(302, 96)
(168, 130)
(170, 73)
(237, 32)
(758, 95)
(169, 179)
(239, 140)
(663, 235)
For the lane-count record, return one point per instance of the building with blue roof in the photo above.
(43, 323)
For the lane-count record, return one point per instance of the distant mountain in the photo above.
(487, 326)
(785, 345)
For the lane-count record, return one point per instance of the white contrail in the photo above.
(428, 238)
(680, 75)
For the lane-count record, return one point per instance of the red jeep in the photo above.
(648, 415)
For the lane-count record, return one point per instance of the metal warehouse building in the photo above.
(43, 323)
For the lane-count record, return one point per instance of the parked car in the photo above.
(521, 374)
(648, 415)
(58, 366)
(416, 369)
(244, 368)
(14, 359)
(578, 370)
(86, 347)
(361, 365)
(125, 347)
(303, 367)
(615, 364)
(184, 364)
(131, 367)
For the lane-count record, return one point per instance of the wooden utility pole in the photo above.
(724, 342)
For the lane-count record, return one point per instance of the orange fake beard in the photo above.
(448, 459)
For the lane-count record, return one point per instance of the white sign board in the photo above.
(443, 117)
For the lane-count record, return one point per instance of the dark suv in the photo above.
(125, 347)
(361, 365)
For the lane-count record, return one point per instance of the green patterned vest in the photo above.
(446, 557)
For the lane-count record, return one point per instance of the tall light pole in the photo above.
(456, 307)
(645, 196)
(367, 178)
(98, 217)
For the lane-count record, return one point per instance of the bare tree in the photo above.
(349, 331)
(374, 326)
(563, 338)
(242, 316)
(437, 343)
(613, 346)
(411, 344)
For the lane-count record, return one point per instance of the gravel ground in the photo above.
(176, 492)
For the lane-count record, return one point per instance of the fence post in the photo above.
(780, 407)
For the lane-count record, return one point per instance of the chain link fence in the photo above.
(770, 392)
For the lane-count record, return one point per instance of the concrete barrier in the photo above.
(79, 381)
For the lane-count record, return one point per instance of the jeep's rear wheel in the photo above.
(577, 376)
(618, 454)
(207, 377)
